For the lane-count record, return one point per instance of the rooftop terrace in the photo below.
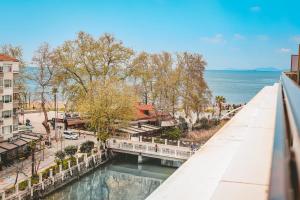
(233, 164)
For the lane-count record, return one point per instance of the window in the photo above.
(1, 69)
(7, 68)
(1, 82)
(6, 98)
(15, 127)
(6, 114)
(7, 83)
(6, 129)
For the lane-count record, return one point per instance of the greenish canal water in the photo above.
(121, 179)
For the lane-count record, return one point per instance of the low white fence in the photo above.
(54, 182)
(151, 148)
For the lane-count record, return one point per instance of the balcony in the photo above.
(15, 119)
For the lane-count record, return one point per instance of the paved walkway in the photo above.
(235, 163)
(8, 175)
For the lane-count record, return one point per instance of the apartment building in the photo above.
(9, 71)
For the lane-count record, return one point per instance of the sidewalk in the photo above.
(8, 175)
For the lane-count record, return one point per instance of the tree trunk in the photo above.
(45, 122)
(32, 161)
(220, 109)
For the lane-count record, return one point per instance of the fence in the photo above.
(53, 182)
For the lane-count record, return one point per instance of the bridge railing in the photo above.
(179, 143)
(151, 148)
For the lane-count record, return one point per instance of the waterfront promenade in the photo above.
(235, 163)
(8, 175)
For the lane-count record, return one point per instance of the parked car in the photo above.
(70, 135)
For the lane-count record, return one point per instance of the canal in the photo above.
(120, 179)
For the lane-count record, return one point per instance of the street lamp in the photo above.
(54, 92)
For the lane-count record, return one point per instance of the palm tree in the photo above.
(220, 100)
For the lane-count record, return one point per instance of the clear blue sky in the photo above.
(229, 33)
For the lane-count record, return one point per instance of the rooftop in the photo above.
(235, 163)
(4, 57)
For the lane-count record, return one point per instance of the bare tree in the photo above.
(43, 78)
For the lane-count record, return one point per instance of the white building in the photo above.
(9, 70)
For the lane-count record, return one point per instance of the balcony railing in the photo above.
(285, 173)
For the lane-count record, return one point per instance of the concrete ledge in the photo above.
(235, 163)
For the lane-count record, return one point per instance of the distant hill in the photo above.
(267, 69)
(260, 69)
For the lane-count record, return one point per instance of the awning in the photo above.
(151, 127)
(135, 129)
(8, 146)
(2, 151)
(26, 139)
(19, 142)
(30, 137)
(127, 130)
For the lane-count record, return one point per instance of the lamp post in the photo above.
(54, 91)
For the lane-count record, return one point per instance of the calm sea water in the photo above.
(236, 86)
(239, 86)
(122, 179)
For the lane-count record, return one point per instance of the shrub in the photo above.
(23, 185)
(46, 173)
(60, 155)
(183, 125)
(71, 150)
(204, 123)
(34, 179)
(73, 161)
(87, 147)
(172, 133)
(65, 164)
(214, 122)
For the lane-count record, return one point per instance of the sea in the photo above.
(237, 86)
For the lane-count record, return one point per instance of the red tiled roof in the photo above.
(4, 57)
(151, 115)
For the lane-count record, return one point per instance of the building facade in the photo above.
(9, 71)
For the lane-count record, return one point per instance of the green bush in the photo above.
(202, 123)
(87, 147)
(23, 185)
(172, 133)
(73, 161)
(46, 173)
(71, 150)
(65, 164)
(182, 125)
(34, 179)
(60, 155)
(55, 169)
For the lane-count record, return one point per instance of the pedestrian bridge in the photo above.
(150, 149)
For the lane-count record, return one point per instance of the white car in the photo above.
(70, 135)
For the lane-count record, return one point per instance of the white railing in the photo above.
(151, 148)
